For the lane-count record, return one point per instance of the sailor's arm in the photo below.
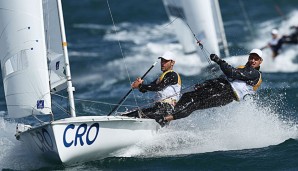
(245, 74)
(170, 78)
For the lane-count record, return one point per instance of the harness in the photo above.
(163, 75)
(244, 88)
(256, 86)
(172, 99)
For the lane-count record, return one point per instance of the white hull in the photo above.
(87, 138)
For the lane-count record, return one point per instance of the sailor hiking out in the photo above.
(277, 41)
(234, 86)
(275, 44)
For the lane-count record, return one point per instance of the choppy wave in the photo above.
(13, 154)
(236, 126)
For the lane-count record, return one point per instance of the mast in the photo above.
(70, 88)
(221, 28)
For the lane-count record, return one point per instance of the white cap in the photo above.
(274, 31)
(258, 52)
(168, 55)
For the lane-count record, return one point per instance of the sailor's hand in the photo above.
(199, 42)
(136, 84)
(214, 58)
(161, 120)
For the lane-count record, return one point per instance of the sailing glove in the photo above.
(214, 58)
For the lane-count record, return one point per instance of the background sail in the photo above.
(54, 46)
(24, 58)
(219, 27)
(176, 13)
(201, 16)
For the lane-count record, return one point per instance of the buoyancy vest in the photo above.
(242, 88)
(171, 93)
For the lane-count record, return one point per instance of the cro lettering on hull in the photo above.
(43, 140)
(80, 135)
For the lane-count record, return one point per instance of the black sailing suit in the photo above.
(215, 92)
(159, 108)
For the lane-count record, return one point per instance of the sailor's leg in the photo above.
(159, 109)
(218, 93)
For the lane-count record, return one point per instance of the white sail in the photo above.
(199, 17)
(54, 45)
(219, 27)
(177, 16)
(23, 57)
(31, 36)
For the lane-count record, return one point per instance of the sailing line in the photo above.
(205, 52)
(114, 26)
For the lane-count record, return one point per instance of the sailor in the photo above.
(275, 43)
(167, 87)
(236, 84)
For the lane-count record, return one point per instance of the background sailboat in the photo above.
(201, 19)
(34, 63)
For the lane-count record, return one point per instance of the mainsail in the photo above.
(31, 58)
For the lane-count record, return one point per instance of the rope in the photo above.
(205, 52)
(114, 26)
(84, 100)
(92, 101)
(248, 23)
(61, 108)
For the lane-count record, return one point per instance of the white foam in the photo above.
(13, 153)
(83, 54)
(233, 127)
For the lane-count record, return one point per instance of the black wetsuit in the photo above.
(171, 78)
(159, 108)
(215, 92)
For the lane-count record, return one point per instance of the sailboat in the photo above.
(35, 63)
(200, 18)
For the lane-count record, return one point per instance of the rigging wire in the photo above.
(61, 107)
(205, 52)
(93, 101)
(248, 23)
(84, 100)
(114, 26)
